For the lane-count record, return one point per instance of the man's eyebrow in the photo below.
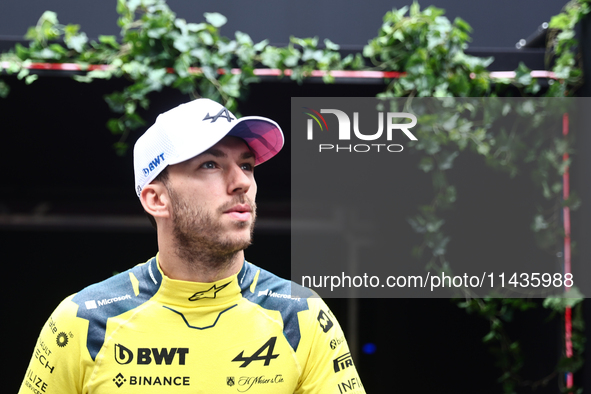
(218, 153)
(247, 155)
(215, 153)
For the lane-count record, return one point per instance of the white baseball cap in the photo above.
(190, 129)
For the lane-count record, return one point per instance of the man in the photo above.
(197, 318)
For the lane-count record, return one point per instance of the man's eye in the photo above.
(247, 167)
(208, 165)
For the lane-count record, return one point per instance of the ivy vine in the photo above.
(430, 50)
(156, 50)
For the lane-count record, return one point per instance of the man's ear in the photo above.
(155, 200)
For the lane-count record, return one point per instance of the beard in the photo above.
(200, 237)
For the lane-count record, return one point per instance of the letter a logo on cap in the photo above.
(222, 114)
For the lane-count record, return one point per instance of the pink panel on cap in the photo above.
(262, 137)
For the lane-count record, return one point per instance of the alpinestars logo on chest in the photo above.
(224, 113)
(209, 293)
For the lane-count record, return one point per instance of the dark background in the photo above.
(499, 23)
(62, 165)
(69, 216)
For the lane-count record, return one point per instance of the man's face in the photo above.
(213, 201)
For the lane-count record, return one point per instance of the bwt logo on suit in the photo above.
(344, 131)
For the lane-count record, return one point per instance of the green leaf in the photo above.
(261, 45)
(415, 9)
(22, 73)
(206, 37)
(115, 126)
(183, 43)
(331, 46)
(560, 21)
(446, 160)
(209, 72)
(566, 299)
(462, 24)
(565, 35)
(29, 79)
(100, 74)
(49, 17)
(109, 40)
(271, 57)
(82, 78)
(426, 164)
(120, 148)
(539, 223)
(4, 89)
(231, 86)
(489, 337)
(243, 38)
(440, 246)
(291, 57)
(523, 74)
(215, 19)
(77, 42)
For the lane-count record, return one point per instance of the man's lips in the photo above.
(241, 212)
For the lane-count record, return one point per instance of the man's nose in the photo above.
(239, 181)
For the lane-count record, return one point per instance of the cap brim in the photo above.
(263, 136)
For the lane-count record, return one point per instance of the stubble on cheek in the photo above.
(200, 234)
